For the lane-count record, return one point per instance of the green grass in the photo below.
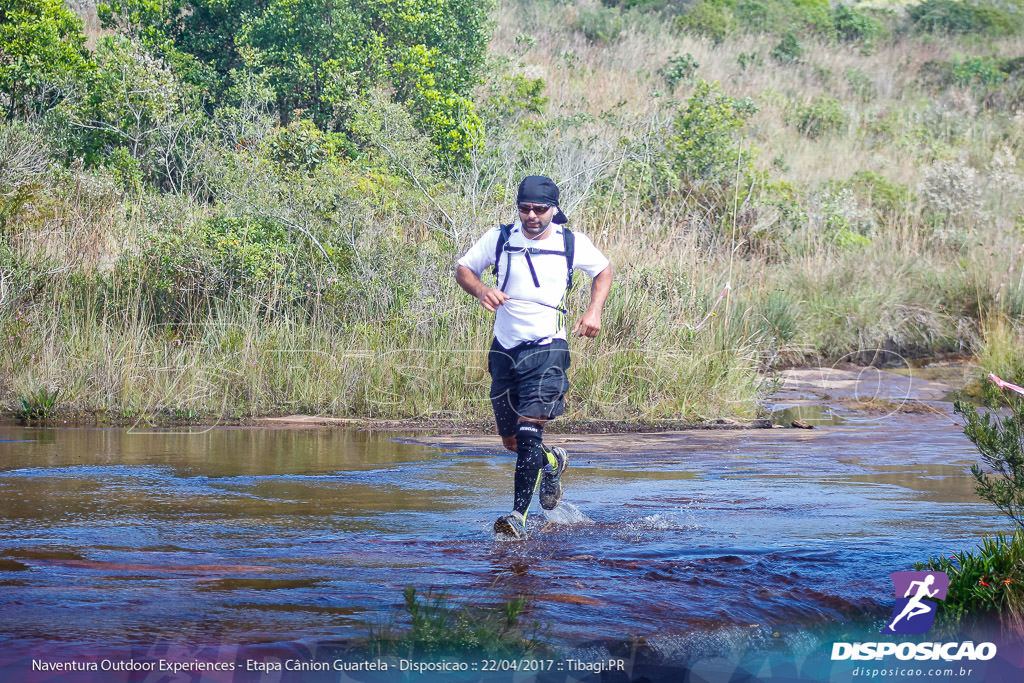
(986, 586)
(37, 405)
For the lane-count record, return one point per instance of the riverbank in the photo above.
(809, 396)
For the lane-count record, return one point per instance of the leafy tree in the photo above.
(41, 46)
(134, 103)
(324, 56)
(310, 52)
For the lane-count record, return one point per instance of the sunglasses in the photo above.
(525, 209)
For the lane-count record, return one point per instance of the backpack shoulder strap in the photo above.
(503, 233)
(570, 253)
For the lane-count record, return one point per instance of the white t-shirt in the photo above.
(521, 319)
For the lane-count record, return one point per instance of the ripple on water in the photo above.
(670, 521)
(91, 471)
(283, 534)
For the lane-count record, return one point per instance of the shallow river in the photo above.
(114, 539)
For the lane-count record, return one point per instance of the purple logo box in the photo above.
(914, 611)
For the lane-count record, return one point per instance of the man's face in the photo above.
(535, 217)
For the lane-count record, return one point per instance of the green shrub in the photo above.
(815, 15)
(640, 5)
(185, 268)
(514, 96)
(748, 59)
(322, 58)
(1000, 441)
(854, 25)
(985, 586)
(438, 629)
(958, 16)
(125, 169)
(980, 72)
(41, 46)
(301, 146)
(135, 103)
(678, 68)
(844, 220)
(705, 144)
(787, 50)
(709, 18)
(984, 71)
(988, 585)
(771, 16)
(756, 15)
(822, 116)
(888, 199)
(860, 83)
(1012, 67)
(600, 24)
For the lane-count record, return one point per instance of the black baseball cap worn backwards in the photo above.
(538, 189)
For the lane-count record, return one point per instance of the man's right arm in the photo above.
(488, 297)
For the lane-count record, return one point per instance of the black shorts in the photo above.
(527, 380)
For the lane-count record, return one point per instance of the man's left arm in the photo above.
(589, 323)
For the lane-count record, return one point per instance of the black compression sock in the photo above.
(530, 447)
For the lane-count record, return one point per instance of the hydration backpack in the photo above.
(569, 241)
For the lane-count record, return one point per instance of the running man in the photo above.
(914, 606)
(534, 260)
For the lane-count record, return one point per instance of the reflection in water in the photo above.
(245, 535)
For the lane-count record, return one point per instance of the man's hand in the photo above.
(471, 283)
(588, 325)
(492, 298)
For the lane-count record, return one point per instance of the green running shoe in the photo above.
(512, 525)
(551, 477)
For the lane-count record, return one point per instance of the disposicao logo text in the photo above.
(914, 613)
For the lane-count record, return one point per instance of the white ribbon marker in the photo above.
(711, 312)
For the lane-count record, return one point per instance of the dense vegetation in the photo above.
(243, 207)
(986, 585)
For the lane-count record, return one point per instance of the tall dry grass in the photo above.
(920, 283)
(818, 268)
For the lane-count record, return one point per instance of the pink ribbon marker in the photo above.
(1003, 384)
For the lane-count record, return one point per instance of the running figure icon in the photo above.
(915, 610)
(915, 607)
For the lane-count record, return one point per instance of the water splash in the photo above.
(567, 513)
(670, 521)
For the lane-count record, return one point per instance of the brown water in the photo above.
(116, 539)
